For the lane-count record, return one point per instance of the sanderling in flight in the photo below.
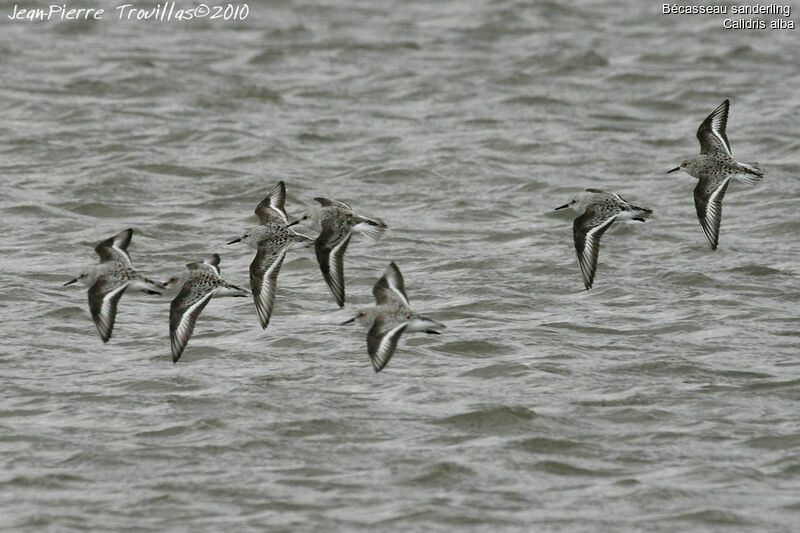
(336, 222)
(598, 210)
(714, 168)
(272, 238)
(389, 318)
(197, 286)
(108, 281)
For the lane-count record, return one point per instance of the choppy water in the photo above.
(664, 399)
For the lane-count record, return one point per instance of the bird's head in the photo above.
(84, 277)
(687, 165)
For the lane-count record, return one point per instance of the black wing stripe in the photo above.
(709, 210)
(264, 285)
(390, 287)
(712, 134)
(381, 347)
(182, 322)
(331, 263)
(273, 205)
(587, 244)
(104, 308)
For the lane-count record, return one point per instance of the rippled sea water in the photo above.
(664, 399)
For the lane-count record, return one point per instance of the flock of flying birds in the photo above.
(336, 222)
(714, 168)
(272, 239)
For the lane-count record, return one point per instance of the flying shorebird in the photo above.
(714, 168)
(197, 287)
(389, 318)
(598, 210)
(336, 222)
(272, 238)
(108, 281)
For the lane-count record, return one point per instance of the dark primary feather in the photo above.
(716, 121)
(211, 263)
(708, 195)
(384, 289)
(264, 272)
(205, 265)
(325, 202)
(382, 342)
(190, 295)
(330, 248)
(121, 241)
(272, 208)
(104, 310)
(587, 230)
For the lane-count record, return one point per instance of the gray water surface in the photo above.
(664, 399)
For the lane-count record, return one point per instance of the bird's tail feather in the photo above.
(149, 286)
(752, 174)
(229, 289)
(641, 213)
(371, 227)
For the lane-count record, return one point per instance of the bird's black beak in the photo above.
(238, 239)
(70, 282)
(348, 321)
(673, 170)
(562, 207)
(289, 225)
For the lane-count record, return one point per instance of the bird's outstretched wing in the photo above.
(390, 287)
(711, 132)
(708, 197)
(264, 279)
(330, 247)
(382, 341)
(587, 230)
(272, 208)
(325, 202)
(183, 313)
(115, 247)
(104, 295)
